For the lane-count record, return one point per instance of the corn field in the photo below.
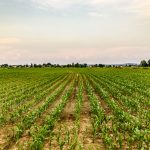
(75, 109)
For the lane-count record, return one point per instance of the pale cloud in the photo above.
(9, 40)
(112, 34)
(138, 7)
(10, 54)
(54, 4)
(59, 4)
(8, 49)
(96, 14)
(107, 55)
(102, 2)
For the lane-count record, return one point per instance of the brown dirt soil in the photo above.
(85, 132)
(3, 132)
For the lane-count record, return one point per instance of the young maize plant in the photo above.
(98, 114)
(79, 101)
(74, 139)
(60, 140)
(38, 139)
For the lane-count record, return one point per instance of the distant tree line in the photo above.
(73, 65)
(76, 65)
(145, 63)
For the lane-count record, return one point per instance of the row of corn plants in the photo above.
(100, 129)
(48, 125)
(79, 102)
(125, 122)
(131, 83)
(66, 137)
(132, 103)
(126, 90)
(20, 89)
(7, 115)
(30, 118)
(40, 96)
(23, 94)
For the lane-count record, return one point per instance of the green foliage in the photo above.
(143, 63)
(118, 98)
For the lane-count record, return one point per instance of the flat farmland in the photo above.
(75, 109)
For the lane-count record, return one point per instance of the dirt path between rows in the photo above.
(85, 133)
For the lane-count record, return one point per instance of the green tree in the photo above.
(5, 65)
(77, 65)
(149, 62)
(101, 65)
(143, 63)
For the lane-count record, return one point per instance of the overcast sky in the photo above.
(66, 31)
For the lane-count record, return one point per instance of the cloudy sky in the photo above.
(66, 31)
